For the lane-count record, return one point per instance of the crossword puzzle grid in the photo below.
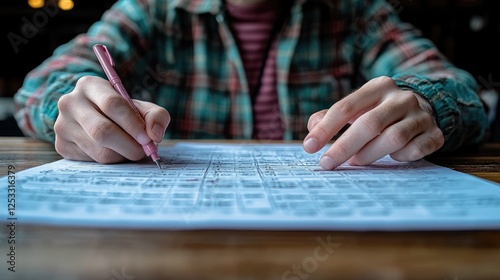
(248, 180)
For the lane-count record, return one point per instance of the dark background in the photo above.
(466, 31)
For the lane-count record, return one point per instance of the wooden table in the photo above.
(88, 253)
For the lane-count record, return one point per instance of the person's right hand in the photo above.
(95, 123)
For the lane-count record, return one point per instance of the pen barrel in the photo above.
(123, 92)
(150, 148)
(151, 151)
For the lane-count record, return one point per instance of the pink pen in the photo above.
(108, 66)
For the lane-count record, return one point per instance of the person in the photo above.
(254, 69)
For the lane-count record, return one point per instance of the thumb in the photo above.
(157, 119)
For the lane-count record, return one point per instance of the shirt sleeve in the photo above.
(124, 29)
(388, 47)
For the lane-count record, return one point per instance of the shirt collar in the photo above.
(208, 6)
(199, 6)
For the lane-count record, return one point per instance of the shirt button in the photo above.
(219, 18)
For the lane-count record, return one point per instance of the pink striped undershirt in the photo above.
(252, 26)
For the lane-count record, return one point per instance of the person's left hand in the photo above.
(384, 120)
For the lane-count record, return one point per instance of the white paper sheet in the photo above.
(251, 186)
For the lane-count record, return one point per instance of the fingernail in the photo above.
(158, 131)
(311, 144)
(327, 163)
(143, 138)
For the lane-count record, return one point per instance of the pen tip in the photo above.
(158, 163)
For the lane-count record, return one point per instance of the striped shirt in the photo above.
(253, 28)
(182, 55)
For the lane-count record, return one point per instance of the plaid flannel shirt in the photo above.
(181, 55)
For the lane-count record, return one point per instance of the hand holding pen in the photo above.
(107, 64)
(97, 124)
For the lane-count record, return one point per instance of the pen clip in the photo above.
(106, 53)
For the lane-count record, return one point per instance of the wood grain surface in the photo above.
(47, 252)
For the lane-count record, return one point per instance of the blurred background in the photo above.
(466, 31)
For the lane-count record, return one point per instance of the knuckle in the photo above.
(415, 124)
(398, 138)
(101, 132)
(313, 116)
(383, 80)
(58, 126)
(162, 115)
(402, 100)
(417, 153)
(84, 82)
(312, 122)
(372, 125)
(63, 128)
(166, 114)
(61, 147)
(114, 104)
(322, 133)
(341, 152)
(438, 138)
(64, 103)
(409, 98)
(422, 149)
(428, 118)
(345, 106)
(133, 125)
